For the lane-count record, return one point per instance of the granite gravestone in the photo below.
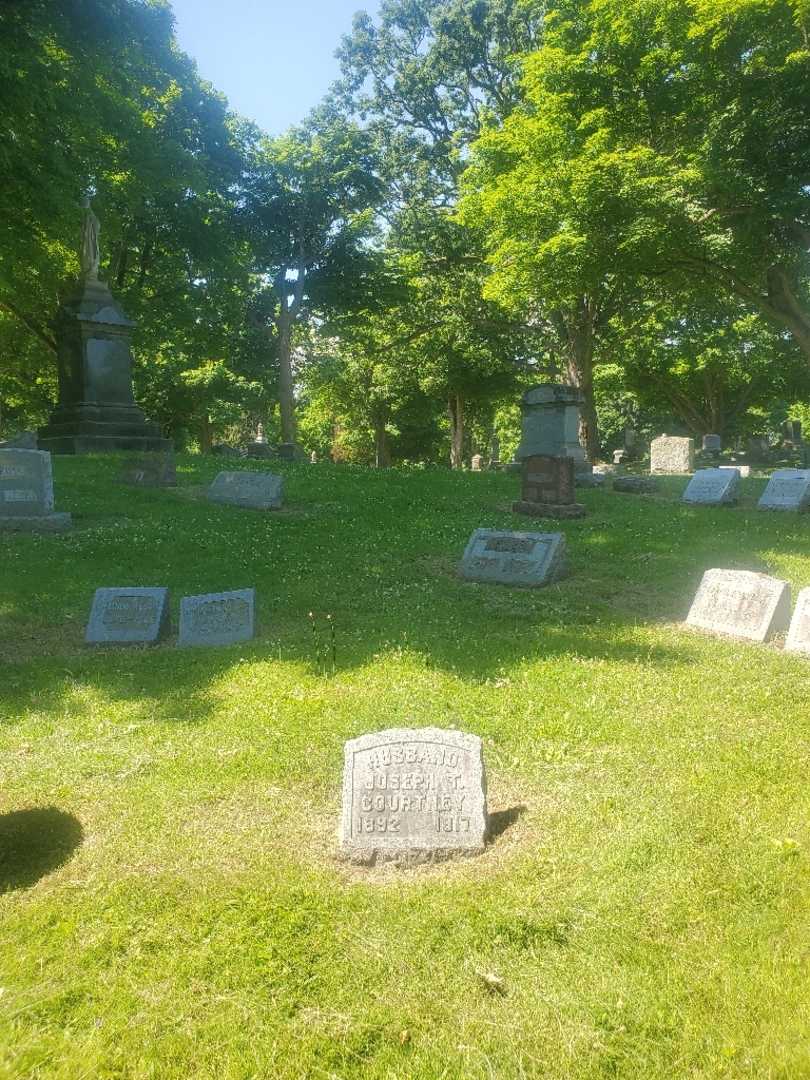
(547, 488)
(413, 796)
(96, 409)
(477, 463)
(26, 493)
(550, 427)
(514, 558)
(713, 487)
(741, 604)
(154, 469)
(217, 618)
(23, 440)
(672, 454)
(128, 617)
(635, 485)
(798, 639)
(712, 444)
(254, 490)
(788, 489)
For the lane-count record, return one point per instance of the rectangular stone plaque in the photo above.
(798, 639)
(255, 490)
(128, 616)
(217, 618)
(713, 487)
(741, 604)
(150, 469)
(413, 795)
(514, 558)
(788, 489)
(672, 454)
(26, 492)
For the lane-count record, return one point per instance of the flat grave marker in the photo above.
(217, 618)
(514, 558)
(713, 487)
(413, 796)
(253, 490)
(128, 616)
(741, 604)
(788, 489)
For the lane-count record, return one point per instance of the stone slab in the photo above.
(671, 454)
(217, 618)
(45, 523)
(254, 490)
(636, 485)
(547, 478)
(128, 616)
(549, 510)
(514, 558)
(788, 489)
(413, 796)
(741, 604)
(713, 487)
(149, 470)
(798, 639)
(26, 483)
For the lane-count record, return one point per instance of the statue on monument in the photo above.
(89, 252)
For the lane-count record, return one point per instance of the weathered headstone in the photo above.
(217, 618)
(152, 469)
(798, 639)
(477, 463)
(26, 493)
(792, 431)
(255, 490)
(619, 457)
(759, 447)
(128, 616)
(547, 488)
(713, 487)
(635, 485)
(712, 444)
(413, 796)
(514, 558)
(672, 454)
(788, 489)
(741, 604)
(313, 458)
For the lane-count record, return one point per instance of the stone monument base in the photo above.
(43, 523)
(549, 510)
(93, 429)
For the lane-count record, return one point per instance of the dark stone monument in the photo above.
(550, 427)
(260, 447)
(96, 409)
(151, 469)
(547, 488)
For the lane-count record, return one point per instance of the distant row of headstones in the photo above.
(129, 616)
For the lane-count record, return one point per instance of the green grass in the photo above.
(170, 901)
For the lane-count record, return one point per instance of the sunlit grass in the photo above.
(179, 911)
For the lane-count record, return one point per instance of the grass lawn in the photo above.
(170, 901)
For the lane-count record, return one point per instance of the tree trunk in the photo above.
(286, 398)
(382, 453)
(456, 409)
(580, 372)
(206, 440)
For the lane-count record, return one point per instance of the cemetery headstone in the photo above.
(286, 451)
(712, 444)
(741, 604)
(798, 639)
(96, 410)
(413, 796)
(260, 447)
(670, 454)
(619, 457)
(152, 469)
(254, 490)
(792, 431)
(547, 488)
(788, 489)
(514, 558)
(313, 458)
(26, 493)
(635, 485)
(713, 487)
(128, 616)
(550, 427)
(217, 618)
(477, 463)
(759, 447)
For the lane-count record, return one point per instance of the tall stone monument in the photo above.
(96, 409)
(551, 426)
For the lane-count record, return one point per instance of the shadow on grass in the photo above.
(501, 820)
(34, 843)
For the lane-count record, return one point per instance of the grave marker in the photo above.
(741, 604)
(514, 558)
(788, 489)
(672, 454)
(26, 492)
(713, 487)
(128, 616)
(547, 488)
(254, 490)
(413, 795)
(798, 639)
(217, 618)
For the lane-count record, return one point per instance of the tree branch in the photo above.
(30, 325)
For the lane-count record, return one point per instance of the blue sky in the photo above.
(273, 59)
